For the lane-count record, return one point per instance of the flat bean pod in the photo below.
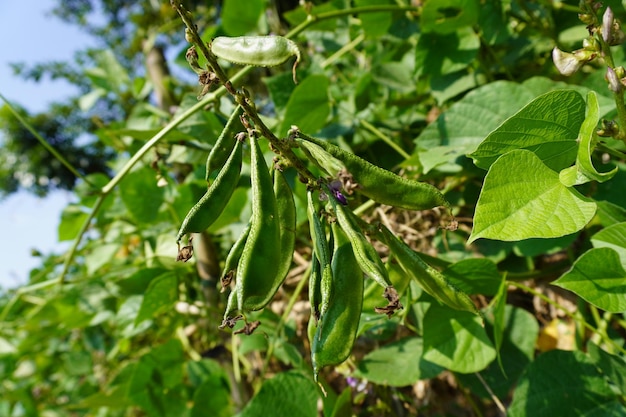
(379, 184)
(259, 265)
(210, 206)
(315, 282)
(337, 330)
(232, 259)
(431, 280)
(260, 51)
(365, 254)
(223, 145)
(286, 210)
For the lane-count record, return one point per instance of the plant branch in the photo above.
(43, 142)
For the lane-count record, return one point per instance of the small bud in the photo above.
(617, 35)
(568, 63)
(614, 83)
(620, 72)
(591, 44)
(607, 24)
(587, 19)
(188, 36)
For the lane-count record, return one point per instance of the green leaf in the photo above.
(463, 126)
(343, 404)
(445, 16)
(374, 24)
(613, 237)
(397, 364)
(395, 75)
(613, 366)
(474, 276)
(548, 126)
(439, 54)
(73, 218)
(6, 347)
(308, 106)
(456, 340)
(141, 195)
(100, 256)
(238, 20)
(286, 394)
(522, 198)
(213, 394)
(108, 74)
(160, 295)
(610, 213)
(599, 278)
(562, 383)
(587, 138)
(517, 350)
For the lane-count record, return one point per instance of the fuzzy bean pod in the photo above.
(257, 272)
(322, 254)
(210, 206)
(365, 254)
(260, 51)
(286, 210)
(377, 183)
(337, 329)
(223, 145)
(431, 280)
(232, 259)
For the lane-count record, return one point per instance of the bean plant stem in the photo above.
(367, 125)
(42, 141)
(288, 153)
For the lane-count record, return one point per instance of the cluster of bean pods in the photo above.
(342, 254)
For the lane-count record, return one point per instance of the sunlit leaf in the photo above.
(522, 198)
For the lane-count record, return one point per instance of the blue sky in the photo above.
(31, 35)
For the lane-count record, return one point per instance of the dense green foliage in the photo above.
(504, 291)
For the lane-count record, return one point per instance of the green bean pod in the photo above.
(315, 282)
(232, 259)
(257, 272)
(260, 51)
(210, 206)
(366, 256)
(377, 183)
(337, 329)
(431, 280)
(223, 145)
(286, 209)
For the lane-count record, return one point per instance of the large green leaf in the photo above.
(613, 366)
(308, 106)
(445, 16)
(456, 340)
(286, 394)
(598, 277)
(374, 24)
(474, 276)
(141, 194)
(613, 237)
(548, 126)
(160, 295)
(467, 122)
(404, 357)
(522, 198)
(241, 20)
(562, 383)
(517, 347)
(72, 219)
